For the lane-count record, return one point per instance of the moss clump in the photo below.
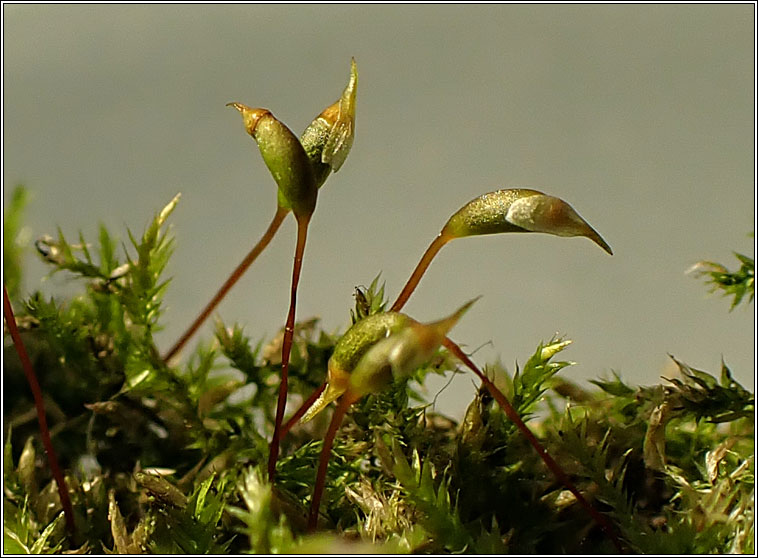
(170, 459)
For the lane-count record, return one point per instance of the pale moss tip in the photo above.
(166, 211)
(330, 394)
(463, 309)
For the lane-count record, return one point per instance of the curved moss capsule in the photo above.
(362, 335)
(520, 210)
(401, 353)
(328, 139)
(341, 135)
(285, 158)
(348, 352)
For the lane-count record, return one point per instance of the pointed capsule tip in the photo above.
(353, 82)
(330, 394)
(446, 324)
(468, 305)
(597, 239)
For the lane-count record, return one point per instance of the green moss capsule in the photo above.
(328, 139)
(349, 350)
(378, 349)
(399, 354)
(520, 210)
(285, 158)
(362, 335)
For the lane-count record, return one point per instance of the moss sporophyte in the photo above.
(326, 143)
(300, 168)
(391, 469)
(382, 346)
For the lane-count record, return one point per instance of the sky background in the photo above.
(640, 116)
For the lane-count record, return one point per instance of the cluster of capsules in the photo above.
(382, 347)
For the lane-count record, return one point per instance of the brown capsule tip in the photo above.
(250, 116)
(597, 239)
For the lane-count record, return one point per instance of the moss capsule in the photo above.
(328, 139)
(285, 158)
(399, 354)
(349, 350)
(520, 210)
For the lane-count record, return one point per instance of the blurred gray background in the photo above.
(640, 116)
